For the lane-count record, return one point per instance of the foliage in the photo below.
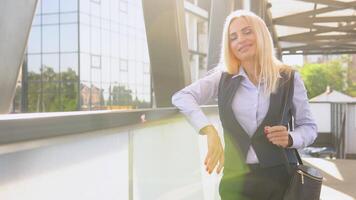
(318, 76)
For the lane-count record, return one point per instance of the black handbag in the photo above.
(306, 181)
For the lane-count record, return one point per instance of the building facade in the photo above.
(93, 55)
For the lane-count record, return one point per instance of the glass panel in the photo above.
(95, 61)
(85, 68)
(121, 95)
(50, 19)
(132, 72)
(84, 39)
(105, 9)
(69, 96)
(95, 40)
(95, 21)
(34, 67)
(69, 5)
(105, 69)
(34, 41)
(115, 45)
(51, 102)
(50, 63)
(84, 6)
(69, 38)
(50, 38)
(69, 67)
(96, 97)
(107, 101)
(123, 46)
(95, 8)
(96, 76)
(131, 48)
(69, 17)
(50, 6)
(115, 70)
(84, 19)
(131, 14)
(114, 10)
(34, 97)
(105, 43)
(123, 65)
(123, 6)
(51, 87)
(139, 73)
(84, 96)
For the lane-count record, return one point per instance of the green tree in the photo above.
(318, 76)
(56, 95)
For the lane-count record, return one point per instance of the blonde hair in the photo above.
(269, 65)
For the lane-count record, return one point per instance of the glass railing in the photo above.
(143, 154)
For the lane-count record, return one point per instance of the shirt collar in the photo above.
(242, 73)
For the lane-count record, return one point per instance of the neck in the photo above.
(252, 70)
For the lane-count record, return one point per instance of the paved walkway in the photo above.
(340, 178)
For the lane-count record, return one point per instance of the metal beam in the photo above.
(168, 48)
(220, 9)
(348, 28)
(330, 3)
(318, 37)
(15, 24)
(306, 14)
(334, 19)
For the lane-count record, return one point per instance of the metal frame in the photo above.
(315, 43)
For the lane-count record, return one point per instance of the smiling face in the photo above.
(242, 39)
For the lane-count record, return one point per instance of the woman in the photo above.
(253, 88)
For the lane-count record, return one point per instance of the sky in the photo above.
(293, 60)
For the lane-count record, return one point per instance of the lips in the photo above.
(244, 48)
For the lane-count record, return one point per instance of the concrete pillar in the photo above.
(168, 48)
(15, 24)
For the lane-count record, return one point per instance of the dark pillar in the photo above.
(168, 48)
(220, 9)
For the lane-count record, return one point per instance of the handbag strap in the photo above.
(288, 99)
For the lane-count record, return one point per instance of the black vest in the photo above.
(237, 141)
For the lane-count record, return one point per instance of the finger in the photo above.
(221, 163)
(213, 161)
(208, 156)
(282, 134)
(276, 128)
(284, 138)
(282, 143)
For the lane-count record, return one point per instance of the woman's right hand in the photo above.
(215, 156)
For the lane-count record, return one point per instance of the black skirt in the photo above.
(258, 184)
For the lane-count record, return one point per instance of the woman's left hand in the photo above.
(278, 135)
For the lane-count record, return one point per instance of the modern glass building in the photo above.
(92, 55)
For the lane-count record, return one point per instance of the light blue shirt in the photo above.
(250, 106)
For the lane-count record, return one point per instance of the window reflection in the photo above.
(50, 6)
(69, 17)
(50, 67)
(69, 5)
(50, 19)
(34, 44)
(69, 38)
(34, 64)
(69, 62)
(114, 62)
(50, 38)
